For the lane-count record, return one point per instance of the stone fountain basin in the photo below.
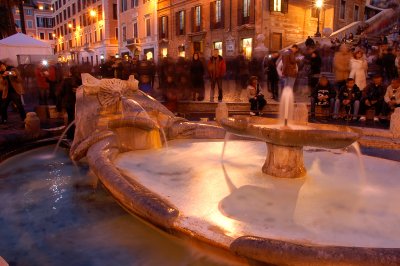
(294, 135)
(190, 193)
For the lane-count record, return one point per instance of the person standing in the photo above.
(11, 83)
(289, 70)
(358, 69)
(272, 75)
(242, 74)
(315, 69)
(68, 97)
(197, 77)
(216, 70)
(41, 73)
(341, 65)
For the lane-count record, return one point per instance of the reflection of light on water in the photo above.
(57, 181)
(46, 156)
(279, 126)
(225, 223)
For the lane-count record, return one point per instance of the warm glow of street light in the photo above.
(319, 3)
(70, 25)
(93, 13)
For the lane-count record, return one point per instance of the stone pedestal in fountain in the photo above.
(284, 161)
(285, 143)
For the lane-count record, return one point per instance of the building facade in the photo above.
(137, 22)
(85, 30)
(39, 22)
(285, 22)
(200, 26)
(233, 26)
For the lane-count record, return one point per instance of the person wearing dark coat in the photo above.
(349, 97)
(310, 42)
(315, 69)
(197, 78)
(323, 94)
(388, 65)
(373, 97)
(68, 97)
(272, 75)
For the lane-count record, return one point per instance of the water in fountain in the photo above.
(363, 174)
(128, 107)
(50, 216)
(62, 136)
(327, 207)
(286, 106)
(227, 136)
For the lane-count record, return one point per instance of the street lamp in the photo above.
(318, 5)
(92, 13)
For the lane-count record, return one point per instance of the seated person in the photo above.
(373, 97)
(256, 98)
(392, 97)
(349, 97)
(322, 95)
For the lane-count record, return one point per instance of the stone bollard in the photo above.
(32, 124)
(300, 114)
(395, 123)
(221, 112)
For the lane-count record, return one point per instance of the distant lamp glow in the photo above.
(41, 7)
(70, 25)
(45, 62)
(164, 52)
(92, 13)
(101, 57)
(54, 35)
(149, 55)
(116, 55)
(318, 4)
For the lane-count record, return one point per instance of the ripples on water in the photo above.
(50, 215)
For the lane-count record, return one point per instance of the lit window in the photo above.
(197, 12)
(218, 11)
(277, 5)
(246, 8)
(218, 45)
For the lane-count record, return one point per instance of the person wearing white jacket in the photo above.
(358, 69)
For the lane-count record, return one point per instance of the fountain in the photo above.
(285, 140)
(187, 190)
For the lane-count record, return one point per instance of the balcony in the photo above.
(132, 44)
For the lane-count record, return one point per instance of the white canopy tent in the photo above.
(23, 46)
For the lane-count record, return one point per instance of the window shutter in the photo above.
(212, 15)
(240, 12)
(201, 18)
(285, 6)
(271, 5)
(160, 28)
(192, 19)
(252, 12)
(177, 23)
(166, 27)
(222, 13)
(184, 22)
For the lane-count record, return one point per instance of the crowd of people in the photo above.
(366, 77)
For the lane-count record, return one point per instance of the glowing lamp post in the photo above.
(318, 5)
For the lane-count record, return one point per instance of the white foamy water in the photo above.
(332, 205)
